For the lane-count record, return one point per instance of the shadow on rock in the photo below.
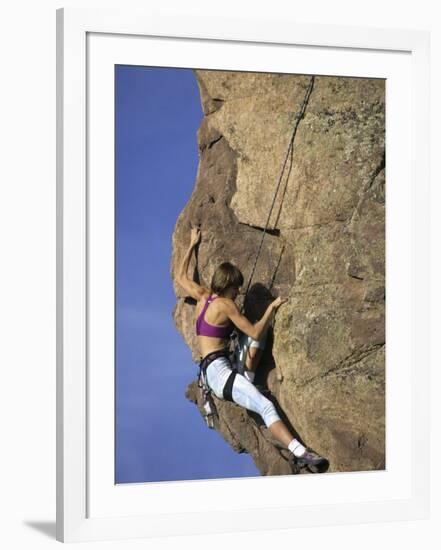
(257, 300)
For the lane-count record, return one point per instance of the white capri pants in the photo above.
(244, 393)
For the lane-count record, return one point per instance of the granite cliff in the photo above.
(325, 251)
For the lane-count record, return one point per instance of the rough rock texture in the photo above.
(325, 362)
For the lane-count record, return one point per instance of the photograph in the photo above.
(249, 274)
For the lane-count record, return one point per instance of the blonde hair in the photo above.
(226, 276)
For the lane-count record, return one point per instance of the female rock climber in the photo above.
(217, 312)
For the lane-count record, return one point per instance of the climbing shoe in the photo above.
(311, 460)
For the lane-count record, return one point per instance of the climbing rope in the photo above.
(209, 408)
(297, 120)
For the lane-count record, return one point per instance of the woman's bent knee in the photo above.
(269, 413)
(248, 396)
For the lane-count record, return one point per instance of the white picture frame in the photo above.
(158, 510)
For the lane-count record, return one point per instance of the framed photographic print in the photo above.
(235, 201)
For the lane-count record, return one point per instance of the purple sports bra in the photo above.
(205, 329)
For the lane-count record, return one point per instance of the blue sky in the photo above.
(160, 435)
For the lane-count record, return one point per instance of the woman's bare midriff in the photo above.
(208, 344)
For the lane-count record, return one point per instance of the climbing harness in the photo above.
(210, 412)
(207, 401)
(234, 338)
(228, 388)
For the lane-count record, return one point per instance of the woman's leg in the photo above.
(251, 352)
(280, 432)
(247, 395)
(217, 373)
(244, 393)
(254, 354)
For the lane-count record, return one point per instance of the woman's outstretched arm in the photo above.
(242, 323)
(194, 290)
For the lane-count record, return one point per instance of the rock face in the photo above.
(325, 251)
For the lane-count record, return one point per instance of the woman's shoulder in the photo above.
(226, 303)
(205, 294)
